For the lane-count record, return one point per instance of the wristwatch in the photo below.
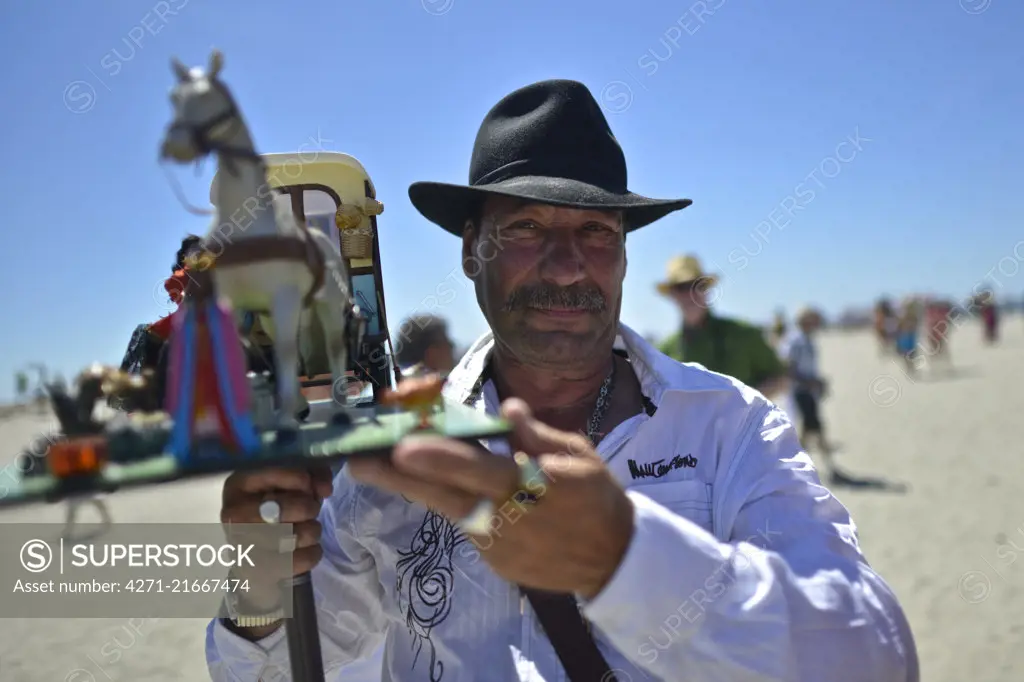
(236, 607)
(258, 621)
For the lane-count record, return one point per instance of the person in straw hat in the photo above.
(637, 491)
(721, 344)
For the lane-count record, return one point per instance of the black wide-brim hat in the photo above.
(548, 142)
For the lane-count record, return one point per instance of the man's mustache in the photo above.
(549, 296)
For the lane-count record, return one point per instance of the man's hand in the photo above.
(299, 494)
(571, 539)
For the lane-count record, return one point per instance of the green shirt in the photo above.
(728, 347)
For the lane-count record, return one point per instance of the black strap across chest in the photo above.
(559, 614)
(569, 635)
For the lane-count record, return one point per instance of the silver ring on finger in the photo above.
(530, 474)
(270, 511)
(478, 521)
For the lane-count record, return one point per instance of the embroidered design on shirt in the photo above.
(660, 468)
(425, 578)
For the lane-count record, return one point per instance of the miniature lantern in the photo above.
(77, 457)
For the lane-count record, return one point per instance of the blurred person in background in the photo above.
(779, 329)
(424, 346)
(986, 305)
(885, 327)
(720, 344)
(907, 326)
(808, 388)
(937, 314)
(21, 386)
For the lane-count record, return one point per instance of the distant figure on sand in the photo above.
(722, 345)
(985, 304)
(800, 353)
(936, 322)
(906, 333)
(778, 330)
(21, 386)
(885, 326)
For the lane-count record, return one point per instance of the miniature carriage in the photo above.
(332, 192)
(262, 268)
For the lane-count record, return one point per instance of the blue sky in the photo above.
(743, 107)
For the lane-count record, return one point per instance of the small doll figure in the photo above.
(149, 340)
(207, 389)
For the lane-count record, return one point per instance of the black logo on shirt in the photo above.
(660, 468)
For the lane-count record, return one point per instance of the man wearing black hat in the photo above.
(656, 521)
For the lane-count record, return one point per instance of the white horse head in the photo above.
(205, 116)
(208, 121)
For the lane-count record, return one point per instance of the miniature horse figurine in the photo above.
(275, 263)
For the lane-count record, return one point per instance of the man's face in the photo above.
(810, 323)
(548, 279)
(692, 301)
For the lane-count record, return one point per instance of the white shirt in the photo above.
(741, 567)
(801, 354)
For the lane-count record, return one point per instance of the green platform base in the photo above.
(374, 431)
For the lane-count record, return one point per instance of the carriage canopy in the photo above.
(333, 193)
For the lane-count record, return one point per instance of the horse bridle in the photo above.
(200, 133)
(202, 141)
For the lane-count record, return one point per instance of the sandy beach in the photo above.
(948, 544)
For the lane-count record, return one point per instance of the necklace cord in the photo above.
(601, 405)
(597, 415)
